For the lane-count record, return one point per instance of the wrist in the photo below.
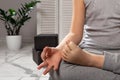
(97, 61)
(94, 60)
(58, 47)
(89, 58)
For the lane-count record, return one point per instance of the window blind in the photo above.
(65, 17)
(54, 16)
(47, 17)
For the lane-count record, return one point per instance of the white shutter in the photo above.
(47, 16)
(65, 17)
(54, 16)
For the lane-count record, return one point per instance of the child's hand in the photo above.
(51, 59)
(74, 54)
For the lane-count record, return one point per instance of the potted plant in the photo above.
(14, 20)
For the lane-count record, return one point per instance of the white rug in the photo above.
(18, 65)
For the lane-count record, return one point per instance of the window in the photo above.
(65, 17)
(47, 17)
(54, 16)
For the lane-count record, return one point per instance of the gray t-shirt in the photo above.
(102, 31)
(102, 24)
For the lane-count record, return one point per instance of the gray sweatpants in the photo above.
(110, 71)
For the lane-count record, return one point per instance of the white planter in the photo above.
(14, 42)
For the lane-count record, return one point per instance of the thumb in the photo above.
(48, 52)
(45, 53)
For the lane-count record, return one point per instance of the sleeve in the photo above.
(112, 62)
(87, 2)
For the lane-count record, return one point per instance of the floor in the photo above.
(18, 65)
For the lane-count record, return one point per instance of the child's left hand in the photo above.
(74, 54)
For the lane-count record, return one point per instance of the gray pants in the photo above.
(68, 71)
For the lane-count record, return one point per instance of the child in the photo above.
(98, 57)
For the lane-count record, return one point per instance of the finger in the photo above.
(67, 48)
(72, 45)
(49, 51)
(47, 69)
(68, 41)
(64, 56)
(56, 67)
(66, 52)
(43, 64)
(67, 45)
(46, 53)
(43, 54)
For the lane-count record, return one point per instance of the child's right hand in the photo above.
(51, 59)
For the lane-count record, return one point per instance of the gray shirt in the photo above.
(102, 25)
(102, 31)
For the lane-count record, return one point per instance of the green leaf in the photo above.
(24, 20)
(3, 14)
(24, 7)
(15, 19)
(23, 11)
(2, 11)
(27, 18)
(12, 12)
(31, 4)
(12, 21)
(1, 18)
(20, 12)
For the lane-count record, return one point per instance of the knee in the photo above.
(60, 75)
(74, 72)
(63, 73)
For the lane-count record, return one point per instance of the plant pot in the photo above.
(14, 42)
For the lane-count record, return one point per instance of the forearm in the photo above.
(70, 37)
(77, 24)
(95, 60)
(98, 61)
(108, 61)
